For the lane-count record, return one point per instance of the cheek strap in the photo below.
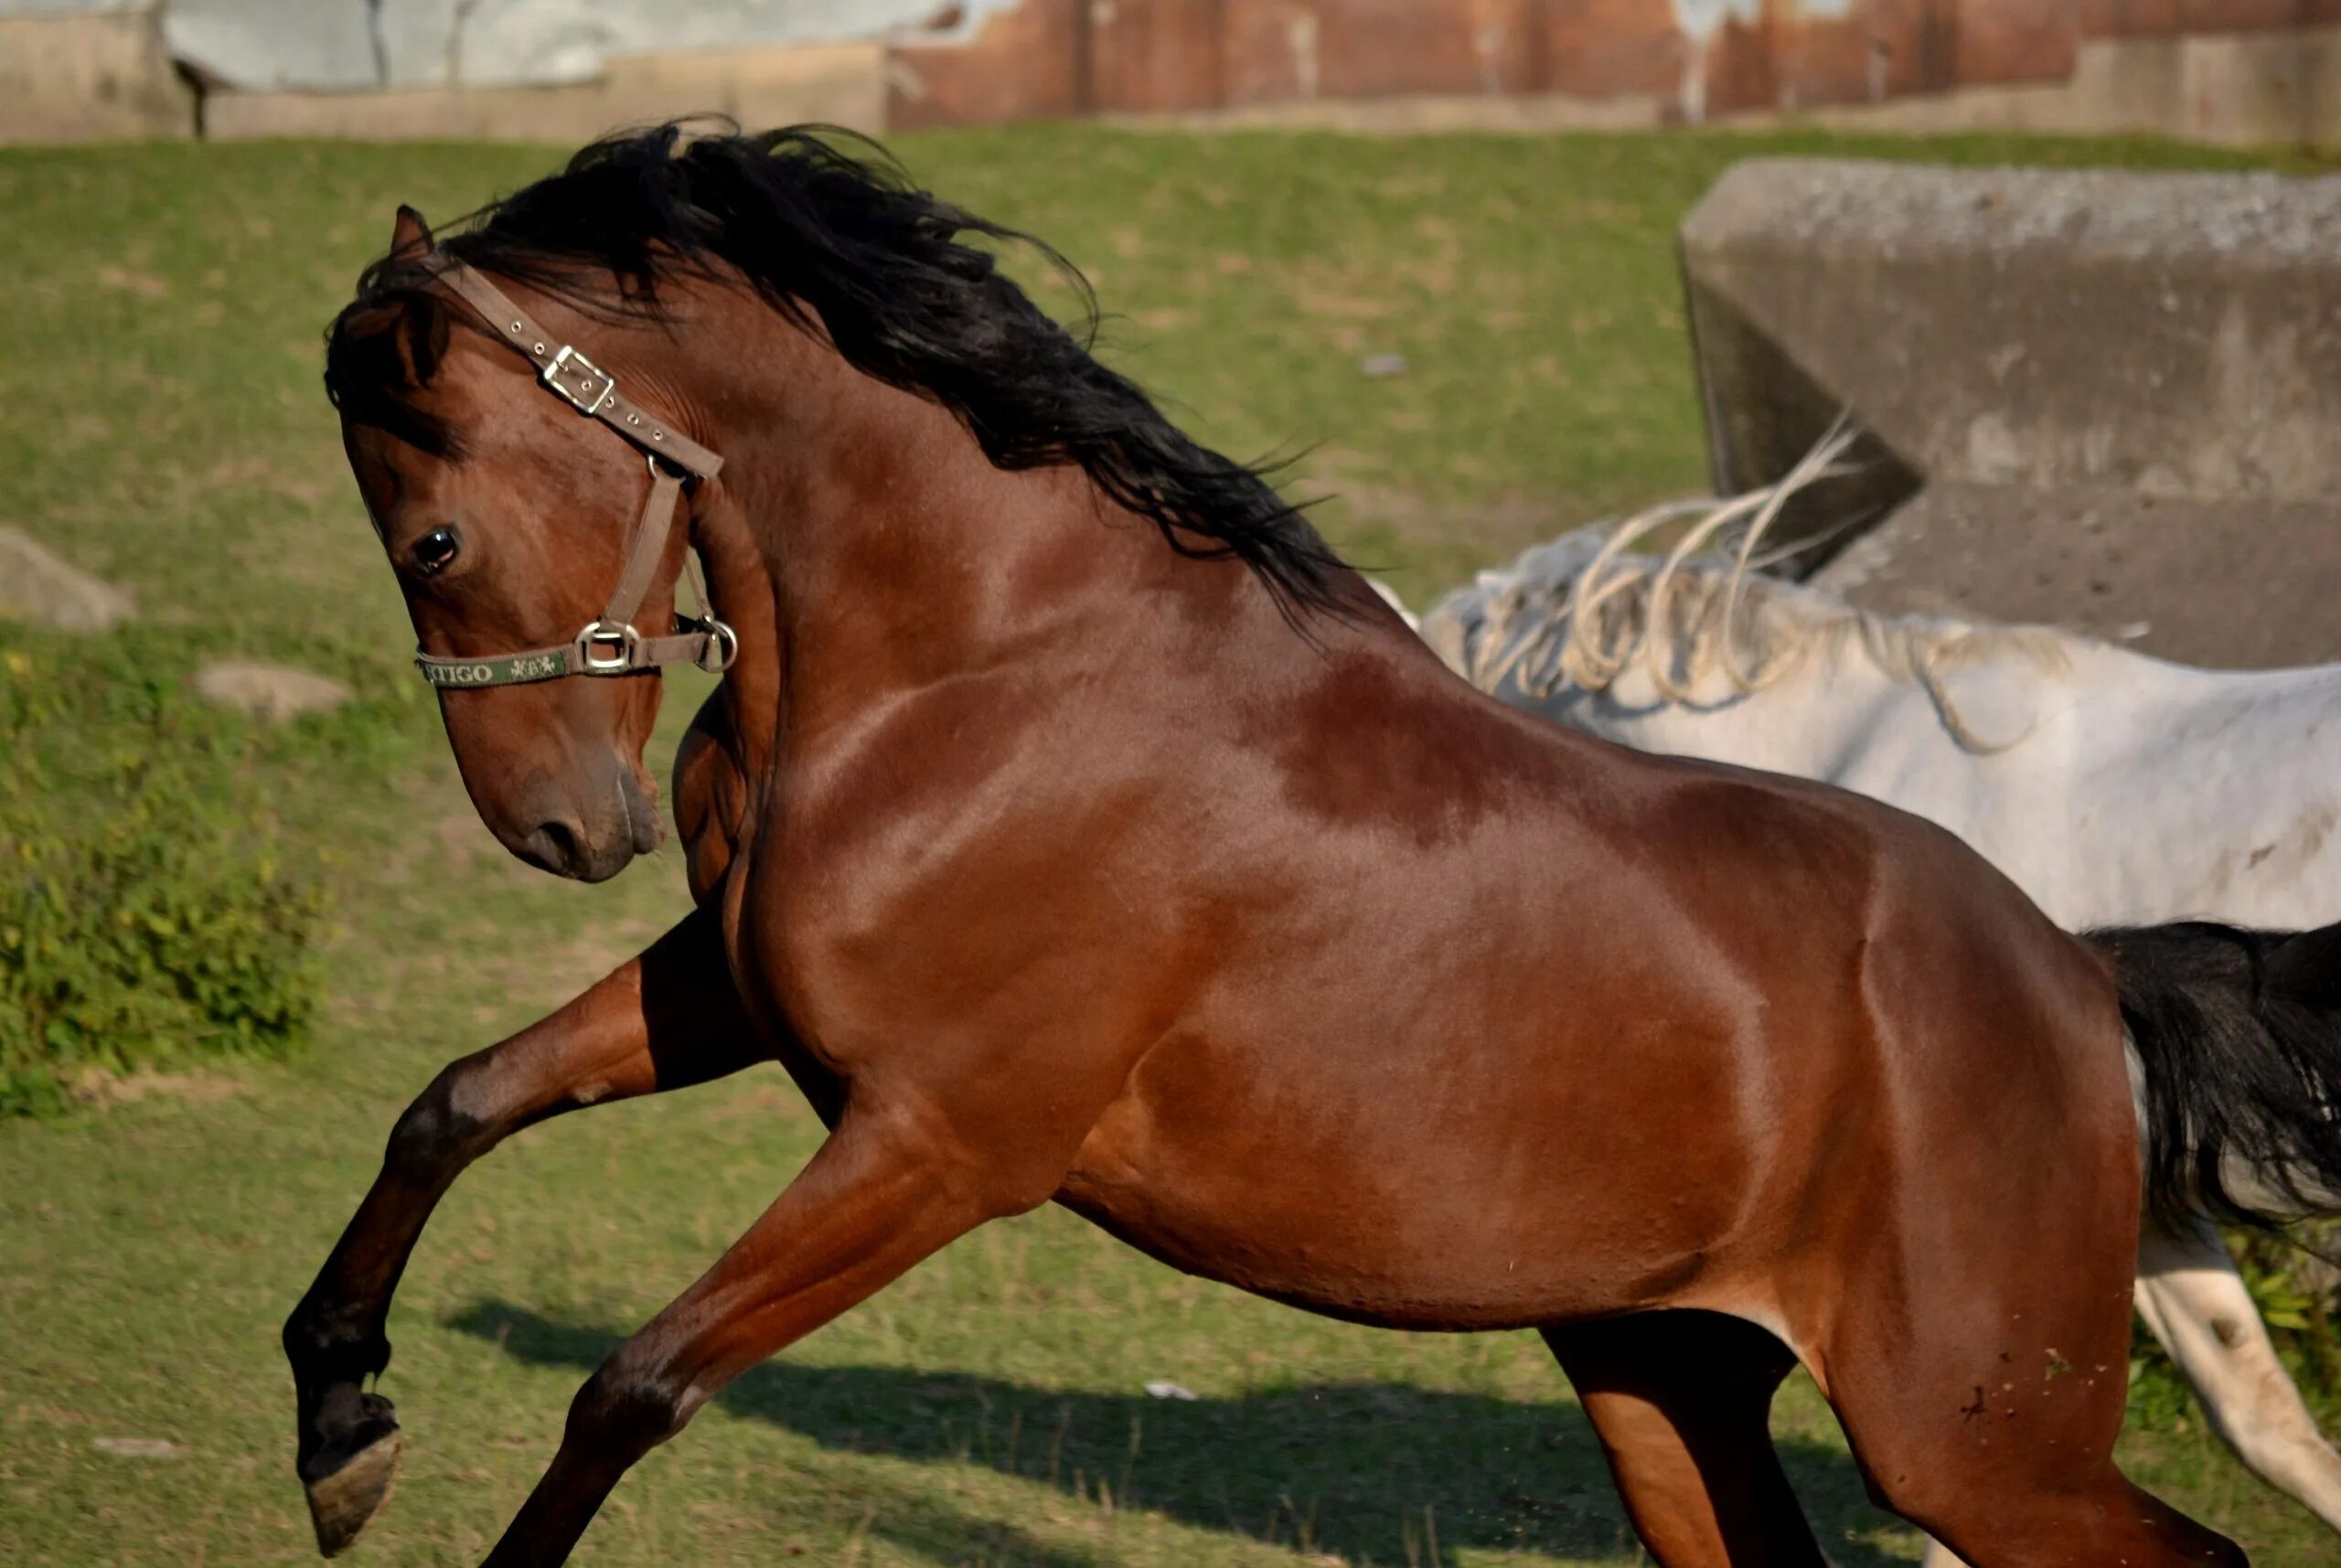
(609, 644)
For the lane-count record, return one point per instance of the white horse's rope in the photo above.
(1681, 616)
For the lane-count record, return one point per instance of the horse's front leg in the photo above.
(888, 1188)
(668, 1018)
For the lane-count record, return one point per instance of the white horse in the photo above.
(2114, 788)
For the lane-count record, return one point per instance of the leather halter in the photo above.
(608, 645)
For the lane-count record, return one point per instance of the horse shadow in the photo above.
(1368, 1472)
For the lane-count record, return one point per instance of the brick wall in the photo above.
(1701, 58)
(2228, 70)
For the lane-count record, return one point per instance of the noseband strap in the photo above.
(608, 645)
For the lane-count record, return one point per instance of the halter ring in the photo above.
(722, 646)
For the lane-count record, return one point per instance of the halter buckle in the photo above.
(586, 371)
(624, 639)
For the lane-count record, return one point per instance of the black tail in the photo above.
(2239, 1033)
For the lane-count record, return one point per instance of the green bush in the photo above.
(149, 911)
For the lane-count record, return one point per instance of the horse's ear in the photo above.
(410, 237)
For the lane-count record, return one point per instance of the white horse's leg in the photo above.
(2192, 1297)
(1941, 1556)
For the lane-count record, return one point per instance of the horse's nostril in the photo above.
(554, 847)
(564, 848)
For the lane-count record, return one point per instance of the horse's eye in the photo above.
(434, 549)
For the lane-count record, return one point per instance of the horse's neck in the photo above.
(741, 593)
(844, 497)
(897, 557)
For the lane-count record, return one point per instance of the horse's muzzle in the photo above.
(592, 846)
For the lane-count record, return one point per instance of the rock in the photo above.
(36, 586)
(2093, 397)
(267, 690)
(1166, 1389)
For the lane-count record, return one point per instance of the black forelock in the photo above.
(838, 237)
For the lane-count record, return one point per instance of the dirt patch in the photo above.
(106, 1089)
(310, 489)
(145, 285)
(1341, 307)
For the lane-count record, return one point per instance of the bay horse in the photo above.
(1073, 825)
(2114, 788)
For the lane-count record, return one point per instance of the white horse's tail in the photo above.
(2238, 1042)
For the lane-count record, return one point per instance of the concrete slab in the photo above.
(836, 84)
(2225, 582)
(2116, 396)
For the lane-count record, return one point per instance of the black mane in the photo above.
(882, 267)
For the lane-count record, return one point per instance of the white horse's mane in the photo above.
(1587, 612)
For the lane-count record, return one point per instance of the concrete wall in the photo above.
(98, 76)
(353, 46)
(2235, 71)
(838, 84)
(348, 46)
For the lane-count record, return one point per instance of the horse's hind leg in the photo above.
(2190, 1294)
(1680, 1402)
(1987, 1414)
(2192, 1297)
(668, 1018)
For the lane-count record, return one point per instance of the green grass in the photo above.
(160, 422)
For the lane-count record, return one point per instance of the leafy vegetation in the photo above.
(2292, 1280)
(148, 913)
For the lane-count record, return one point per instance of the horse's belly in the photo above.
(1428, 1207)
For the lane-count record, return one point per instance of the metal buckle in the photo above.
(551, 372)
(625, 639)
(722, 642)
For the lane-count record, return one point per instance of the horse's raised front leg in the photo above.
(885, 1190)
(668, 1018)
(2197, 1305)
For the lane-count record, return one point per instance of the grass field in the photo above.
(161, 424)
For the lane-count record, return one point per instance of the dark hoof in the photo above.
(348, 1488)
